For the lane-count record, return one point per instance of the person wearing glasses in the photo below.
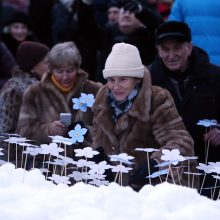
(42, 104)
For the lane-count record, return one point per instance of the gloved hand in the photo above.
(139, 177)
(133, 6)
(87, 2)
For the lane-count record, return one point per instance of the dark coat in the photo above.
(7, 62)
(152, 121)
(104, 39)
(201, 99)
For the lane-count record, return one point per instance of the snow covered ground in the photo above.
(27, 196)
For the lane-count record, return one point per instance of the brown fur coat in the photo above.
(43, 103)
(152, 122)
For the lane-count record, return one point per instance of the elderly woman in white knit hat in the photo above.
(130, 113)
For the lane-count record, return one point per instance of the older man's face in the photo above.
(174, 54)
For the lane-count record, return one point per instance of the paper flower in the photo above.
(77, 134)
(215, 169)
(191, 158)
(87, 99)
(121, 168)
(84, 163)
(163, 164)
(195, 174)
(216, 177)
(204, 167)
(1, 151)
(149, 150)
(86, 152)
(158, 173)
(92, 175)
(60, 139)
(123, 157)
(214, 164)
(78, 105)
(78, 176)
(98, 182)
(207, 123)
(32, 151)
(67, 160)
(2, 162)
(59, 179)
(52, 149)
(99, 168)
(173, 156)
(15, 140)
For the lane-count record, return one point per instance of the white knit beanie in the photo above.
(124, 60)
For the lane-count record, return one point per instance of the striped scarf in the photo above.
(120, 107)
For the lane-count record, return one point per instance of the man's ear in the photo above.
(190, 47)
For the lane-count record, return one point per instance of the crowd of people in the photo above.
(151, 64)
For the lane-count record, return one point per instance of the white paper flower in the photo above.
(173, 156)
(87, 152)
(99, 168)
(67, 160)
(59, 179)
(214, 164)
(121, 168)
(191, 158)
(84, 163)
(32, 151)
(78, 176)
(98, 182)
(195, 174)
(92, 175)
(206, 168)
(1, 149)
(2, 162)
(15, 140)
(215, 169)
(123, 157)
(52, 149)
(149, 150)
(207, 123)
(216, 177)
(60, 139)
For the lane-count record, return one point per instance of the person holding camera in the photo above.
(136, 25)
(42, 103)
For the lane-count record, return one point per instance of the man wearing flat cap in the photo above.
(194, 83)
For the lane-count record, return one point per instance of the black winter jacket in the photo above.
(201, 99)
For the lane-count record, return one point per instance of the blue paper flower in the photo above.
(77, 135)
(158, 173)
(77, 104)
(207, 123)
(87, 99)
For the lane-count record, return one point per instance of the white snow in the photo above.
(25, 195)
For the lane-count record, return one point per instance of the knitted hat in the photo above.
(124, 60)
(29, 54)
(19, 17)
(173, 30)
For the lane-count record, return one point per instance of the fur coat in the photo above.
(152, 122)
(11, 98)
(43, 103)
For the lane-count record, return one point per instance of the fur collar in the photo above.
(141, 106)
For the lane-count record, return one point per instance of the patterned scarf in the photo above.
(120, 107)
